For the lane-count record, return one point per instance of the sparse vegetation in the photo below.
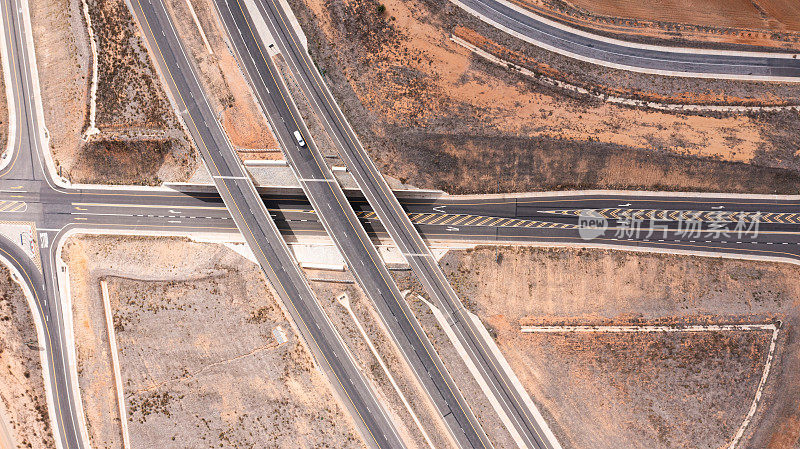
(123, 162)
(128, 93)
(433, 115)
(659, 390)
(198, 360)
(140, 136)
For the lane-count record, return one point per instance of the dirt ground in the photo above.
(777, 15)
(199, 362)
(367, 315)
(676, 390)
(243, 122)
(131, 104)
(415, 97)
(21, 383)
(761, 23)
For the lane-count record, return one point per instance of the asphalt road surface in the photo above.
(522, 220)
(665, 60)
(26, 190)
(340, 220)
(513, 408)
(26, 194)
(260, 232)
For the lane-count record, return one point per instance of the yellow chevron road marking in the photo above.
(675, 215)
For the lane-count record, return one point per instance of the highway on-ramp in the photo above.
(513, 406)
(537, 219)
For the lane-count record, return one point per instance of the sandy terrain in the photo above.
(425, 106)
(607, 391)
(133, 114)
(243, 122)
(199, 363)
(762, 23)
(21, 384)
(776, 15)
(675, 390)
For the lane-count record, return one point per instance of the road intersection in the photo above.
(267, 219)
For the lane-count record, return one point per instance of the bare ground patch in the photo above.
(199, 362)
(368, 317)
(641, 390)
(127, 162)
(717, 23)
(21, 383)
(511, 164)
(401, 81)
(662, 390)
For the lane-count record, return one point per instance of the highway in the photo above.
(340, 221)
(337, 219)
(28, 194)
(259, 230)
(26, 185)
(630, 56)
(510, 402)
(445, 220)
(178, 212)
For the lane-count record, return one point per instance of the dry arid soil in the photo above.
(641, 390)
(24, 405)
(368, 316)
(434, 115)
(140, 139)
(776, 15)
(200, 366)
(729, 23)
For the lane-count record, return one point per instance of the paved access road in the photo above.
(28, 195)
(338, 219)
(636, 57)
(447, 220)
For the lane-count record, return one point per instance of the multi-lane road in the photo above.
(27, 176)
(444, 220)
(335, 213)
(359, 218)
(665, 60)
(339, 221)
(259, 230)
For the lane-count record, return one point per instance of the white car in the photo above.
(299, 138)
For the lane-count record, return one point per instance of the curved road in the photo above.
(623, 55)
(54, 209)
